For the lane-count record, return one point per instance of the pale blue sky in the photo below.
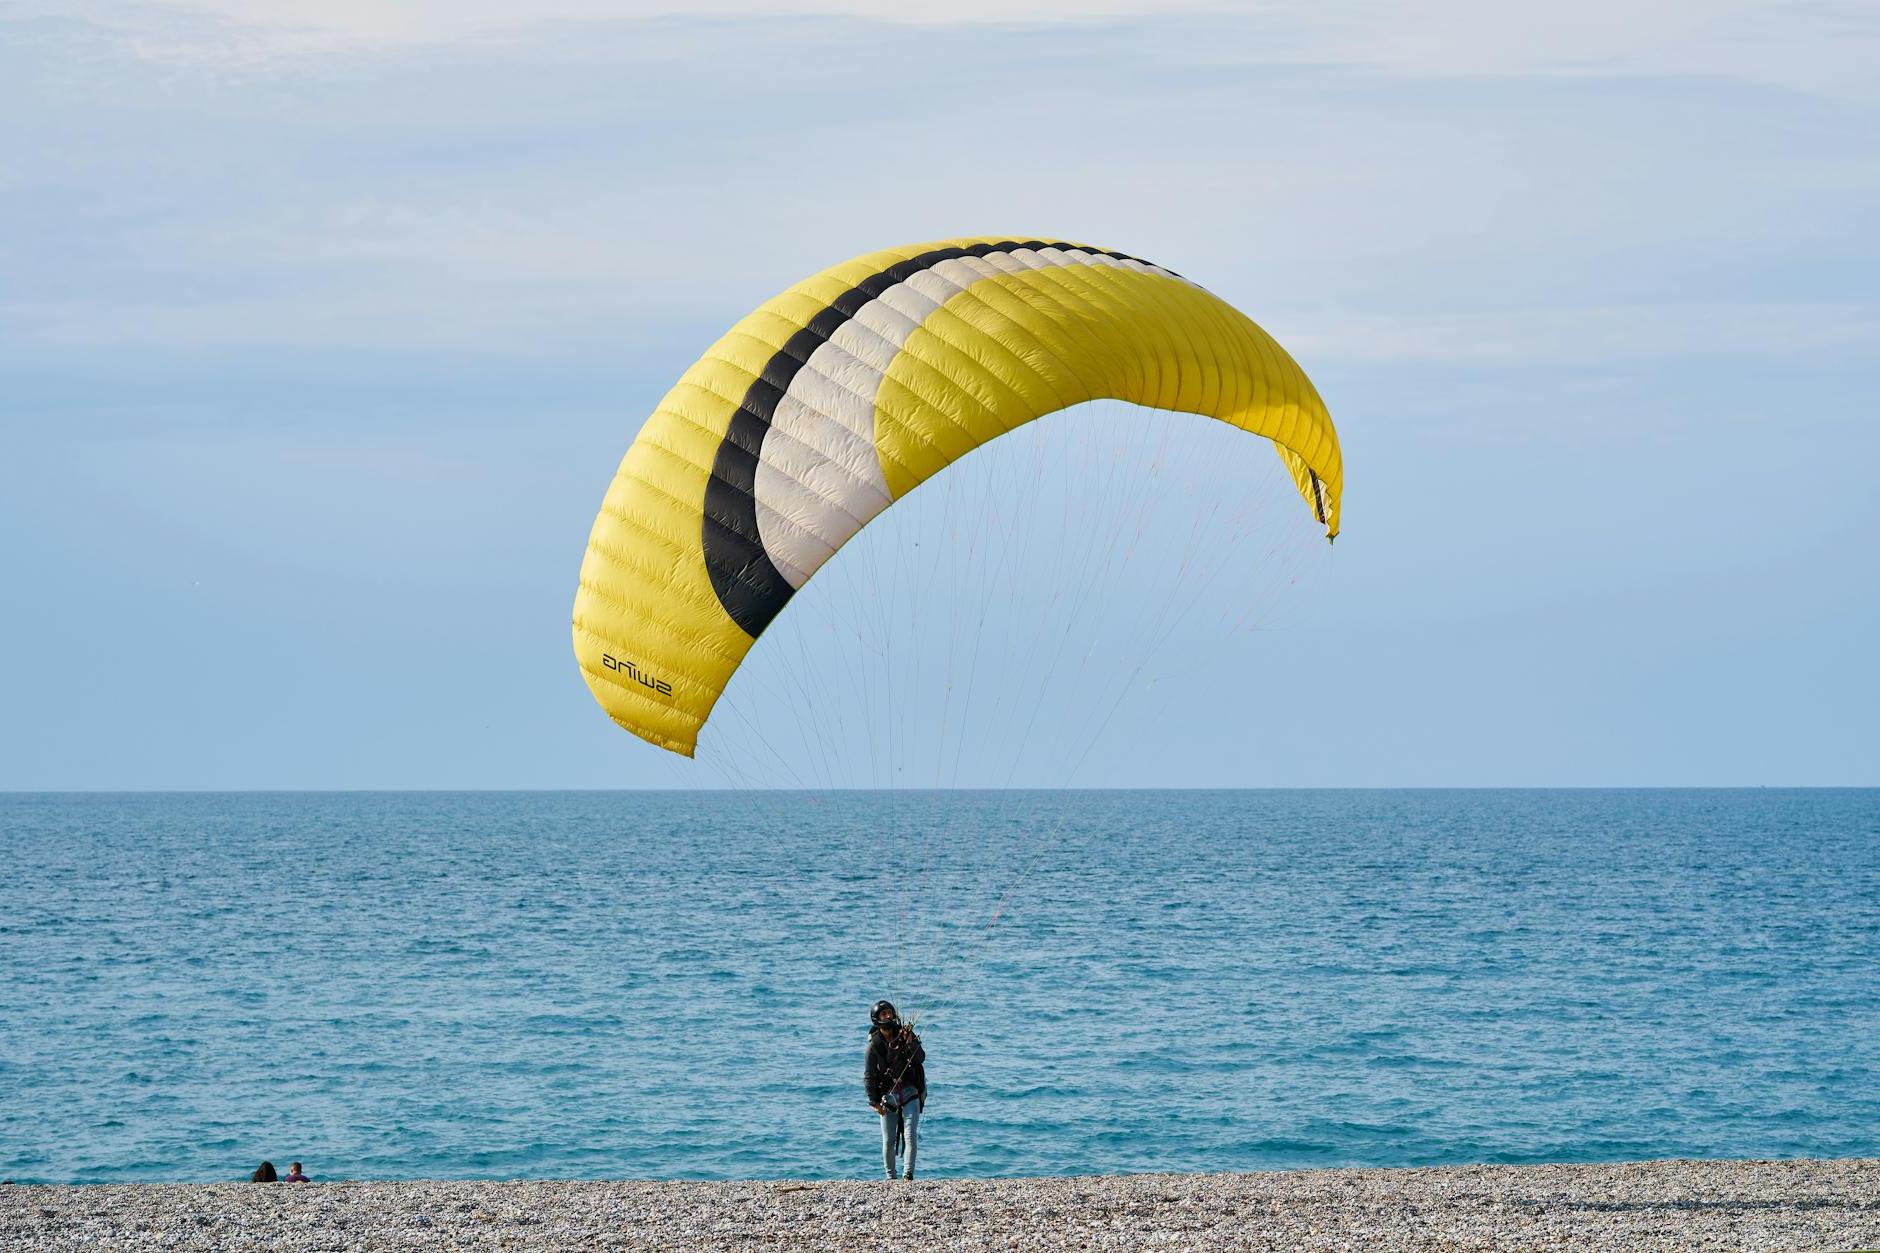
(322, 331)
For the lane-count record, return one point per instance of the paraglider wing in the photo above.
(853, 387)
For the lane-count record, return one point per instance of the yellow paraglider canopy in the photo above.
(846, 392)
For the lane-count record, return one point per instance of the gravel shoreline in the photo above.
(1680, 1205)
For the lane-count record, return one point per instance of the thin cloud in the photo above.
(1397, 193)
(1826, 47)
(1775, 331)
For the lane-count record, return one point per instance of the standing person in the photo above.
(294, 1175)
(894, 1075)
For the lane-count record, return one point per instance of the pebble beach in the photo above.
(1683, 1205)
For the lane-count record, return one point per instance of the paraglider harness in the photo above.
(893, 1102)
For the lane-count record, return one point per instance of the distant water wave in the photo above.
(666, 985)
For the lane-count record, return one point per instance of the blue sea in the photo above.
(676, 985)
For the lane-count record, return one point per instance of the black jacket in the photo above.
(890, 1062)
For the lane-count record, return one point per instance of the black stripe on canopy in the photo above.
(749, 585)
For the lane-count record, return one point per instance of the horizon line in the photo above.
(909, 791)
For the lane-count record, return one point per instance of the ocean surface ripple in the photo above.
(675, 985)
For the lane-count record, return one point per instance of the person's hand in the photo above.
(879, 1110)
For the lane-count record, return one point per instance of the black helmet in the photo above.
(883, 1007)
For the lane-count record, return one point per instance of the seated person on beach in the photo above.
(894, 1075)
(294, 1175)
(264, 1173)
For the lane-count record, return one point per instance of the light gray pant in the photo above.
(900, 1131)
